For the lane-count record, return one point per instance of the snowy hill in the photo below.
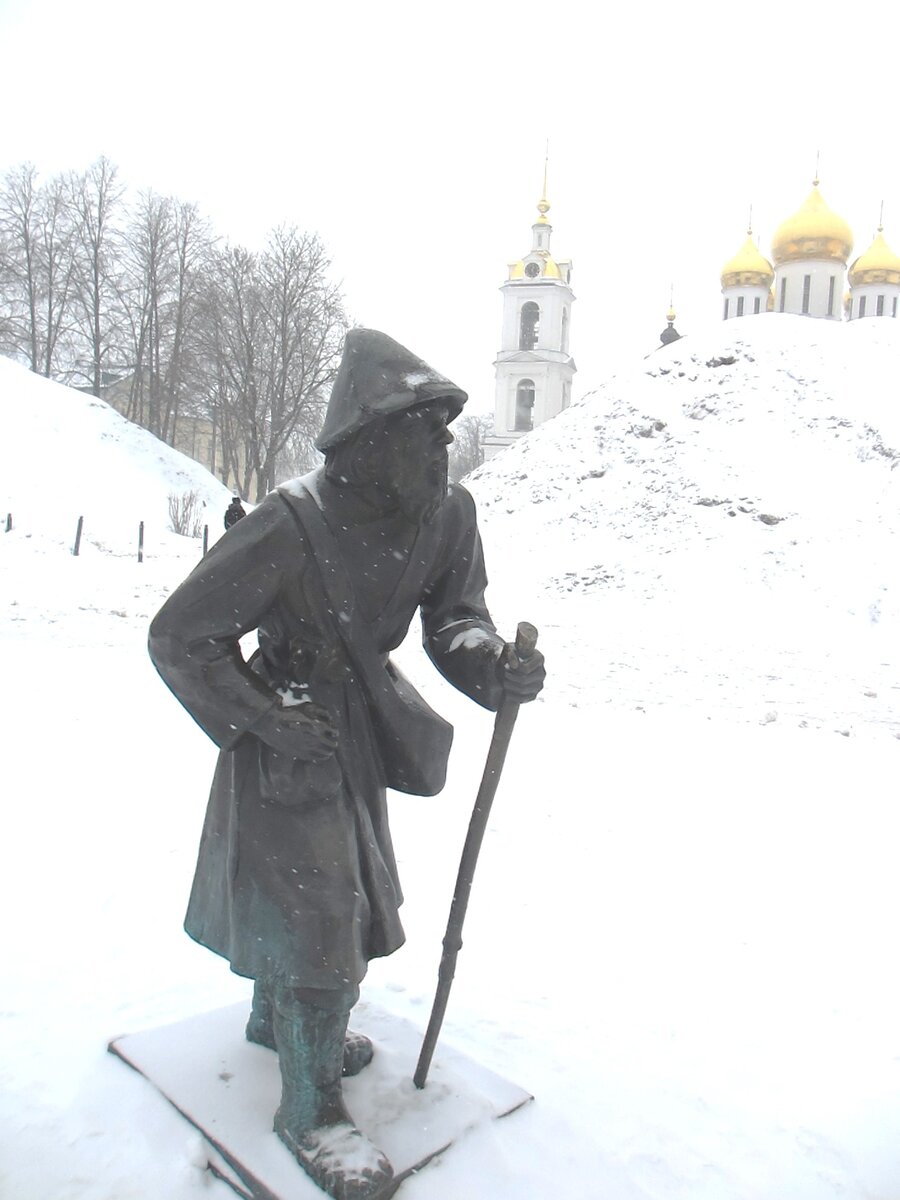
(778, 420)
(742, 487)
(64, 454)
(681, 935)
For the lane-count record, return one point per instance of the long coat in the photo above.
(296, 877)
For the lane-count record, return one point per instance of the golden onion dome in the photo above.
(670, 315)
(879, 264)
(813, 232)
(748, 268)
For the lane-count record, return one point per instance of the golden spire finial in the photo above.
(816, 180)
(750, 223)
(543, 203)
(881, 218)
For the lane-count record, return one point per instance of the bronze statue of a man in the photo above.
(296, 882)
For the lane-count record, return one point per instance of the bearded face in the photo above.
(415, 461)
(400, 461)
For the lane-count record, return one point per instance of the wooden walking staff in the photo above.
(526, 640)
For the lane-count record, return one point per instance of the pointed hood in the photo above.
(378, 376)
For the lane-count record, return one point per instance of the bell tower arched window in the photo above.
(529, 326)
(525, 405)
(565, 331)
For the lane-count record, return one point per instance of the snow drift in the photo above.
(66, 454)
(741, 487)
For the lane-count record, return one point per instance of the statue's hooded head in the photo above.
(385, 431)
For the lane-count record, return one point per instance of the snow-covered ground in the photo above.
(682, 934)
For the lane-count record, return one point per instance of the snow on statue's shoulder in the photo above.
(303, 485)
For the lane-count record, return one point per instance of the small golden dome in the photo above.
(814, 231)
(879, 264)
(748, 268)
(670, 315)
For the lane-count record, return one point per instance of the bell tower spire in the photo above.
(542, 228)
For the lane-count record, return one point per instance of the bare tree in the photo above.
(18, 220)
(274, 326)
(192, 244)
(148, 267)
(36, 266)
(57, 264)
(95, 198)
(248, 341)
(467, 450)
(307, 323)
(300, 454)
(165, 249)
(231, 334)
(7, 321)
(186, 513)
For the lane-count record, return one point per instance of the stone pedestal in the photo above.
(229, 1090)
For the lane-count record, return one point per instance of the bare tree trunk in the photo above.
(95, 198)
(36, 264)
(18, 222)
(58, 264)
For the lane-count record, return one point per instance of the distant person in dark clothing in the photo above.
(234, 512)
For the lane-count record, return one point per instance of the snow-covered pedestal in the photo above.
(229, 1089)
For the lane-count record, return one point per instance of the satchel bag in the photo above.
(414, 741)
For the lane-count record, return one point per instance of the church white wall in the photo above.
(508, 380)
(551, 299)
(749, 295)
(870, 292)
(552, 390)
(790, 277)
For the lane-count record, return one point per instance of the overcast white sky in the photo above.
(411, 137)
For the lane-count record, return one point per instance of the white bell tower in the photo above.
(534, 368)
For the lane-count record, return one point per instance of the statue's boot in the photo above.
(259, 1026)
(311, 1119)
(358, 1049)
(358, 1053)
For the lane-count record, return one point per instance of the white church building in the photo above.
(533, 368)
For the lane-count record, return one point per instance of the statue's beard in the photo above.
(389, 478)
(419, 489)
